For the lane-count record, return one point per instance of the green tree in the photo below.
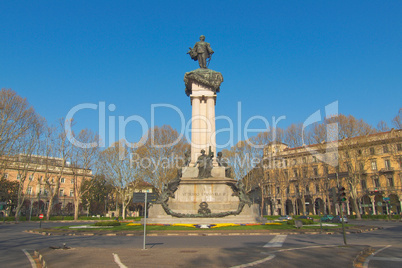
(97, 195)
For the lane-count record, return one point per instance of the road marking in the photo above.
(31, 260)
(271, 256)
(386, 259)
(117, 260)
(276, 242)
(366, 262)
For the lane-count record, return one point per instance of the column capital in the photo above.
(202, 98)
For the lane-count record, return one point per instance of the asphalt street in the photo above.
(213, 251)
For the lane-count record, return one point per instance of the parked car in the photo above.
(327, 218)
(338, 219)
(305, 217)
(285, 218)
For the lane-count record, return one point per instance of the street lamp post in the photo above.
(39, 202)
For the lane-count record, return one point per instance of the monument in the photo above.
(203, 192)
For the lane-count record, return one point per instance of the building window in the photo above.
(359, 152)
(288, 190)
(372, 151)
(385, 149)
(285, 163)
(62, 180)
(364, 185)
(399, 146)
(285, 172)
(376, 182)
(72, 181)
(6, 175)
(307, 190)
(295, 173)
(278, 190)
(315, 171)
(71, 192)
(294, 162)
(391, 181)
(304, 160)
(387, 164)
(297, 189)
(29, 190)
(314, 159)
(373, 165)
(305, 172)
(317, 189)
(30, 177)
(61, 192)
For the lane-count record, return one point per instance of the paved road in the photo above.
(226, 251)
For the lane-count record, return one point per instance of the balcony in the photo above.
(387, 170)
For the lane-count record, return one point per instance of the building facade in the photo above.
(305, 180)
(39, 176)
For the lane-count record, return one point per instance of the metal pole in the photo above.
(30, 213)
(341, 217)
(145, 220)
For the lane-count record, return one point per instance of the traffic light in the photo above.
(341, 194)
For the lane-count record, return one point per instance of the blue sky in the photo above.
(278, 58)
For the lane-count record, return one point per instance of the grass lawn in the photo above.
(126, 227)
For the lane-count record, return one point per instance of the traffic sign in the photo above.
(386, 199)
(40, 216)
(140, 197)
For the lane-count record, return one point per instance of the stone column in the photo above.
(373, 205)
(211, 138)
(195, 129)
(203, 121)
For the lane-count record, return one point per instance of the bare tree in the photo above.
(83, 159)
(382, 126)
(17, 120)
(397, 121)
(116, 164)
(161, 156)
(27, 146)
(56, 151)
(20, 129)
(294, 135)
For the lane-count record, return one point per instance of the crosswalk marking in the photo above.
(276, 242)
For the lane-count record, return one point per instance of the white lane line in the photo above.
(31, 260)
(386, 259)
(117, 260)
(366, 262)
(271, 256)
(276, 242)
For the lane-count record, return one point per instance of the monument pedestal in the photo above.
(192, 193)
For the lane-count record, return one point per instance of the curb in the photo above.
(41, 259)
(200, 233)
(361, 257)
